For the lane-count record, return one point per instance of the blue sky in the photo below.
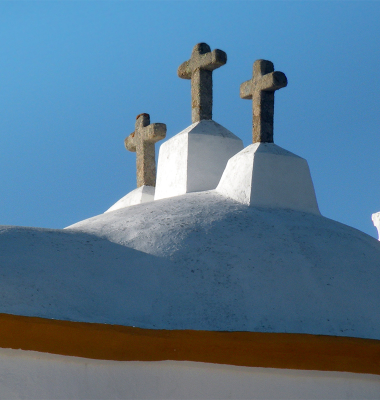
(74, 75)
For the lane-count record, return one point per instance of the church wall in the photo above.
(34, 375)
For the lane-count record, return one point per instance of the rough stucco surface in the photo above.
(32, 375)
(197, 261)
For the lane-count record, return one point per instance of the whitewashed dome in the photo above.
(198, 261)
(202, 261)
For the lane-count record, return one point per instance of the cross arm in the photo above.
(273, 81)
(246, 90)
(213, 60)
(208, 61)
(154, 132)
(268, 82)
(130, 142)
(184, 70)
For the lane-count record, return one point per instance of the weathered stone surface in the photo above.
(199, 69)
(260, 88)
(142, 142)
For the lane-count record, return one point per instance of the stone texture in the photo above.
(142, 142)
(199, 69)
(260, 88)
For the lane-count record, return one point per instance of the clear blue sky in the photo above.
(74, 75)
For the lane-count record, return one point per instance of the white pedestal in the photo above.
(266, 175)
(143, 194)
(194, 159)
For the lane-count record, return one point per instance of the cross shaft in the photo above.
(142, 141)
(260, 88)
(199, 69)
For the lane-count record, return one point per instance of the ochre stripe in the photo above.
(252, 349)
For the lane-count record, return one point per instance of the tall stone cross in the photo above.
(142, 142)
(199, 69)
(261, 90)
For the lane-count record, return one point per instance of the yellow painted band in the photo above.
(251, 349)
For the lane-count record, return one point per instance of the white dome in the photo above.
(214, 264)
(197, 261)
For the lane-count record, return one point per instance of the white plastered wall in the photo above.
(172, 167)
(209, 157)
(32, 375)
(194, 159)
(266, 175)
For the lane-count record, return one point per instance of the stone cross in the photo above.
(261, 90)
(142, 142)
(199, 69)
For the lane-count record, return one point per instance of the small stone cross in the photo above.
(261, 90)
(199, 69)
(142, 142)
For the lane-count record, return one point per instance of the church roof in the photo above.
(197, 261)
